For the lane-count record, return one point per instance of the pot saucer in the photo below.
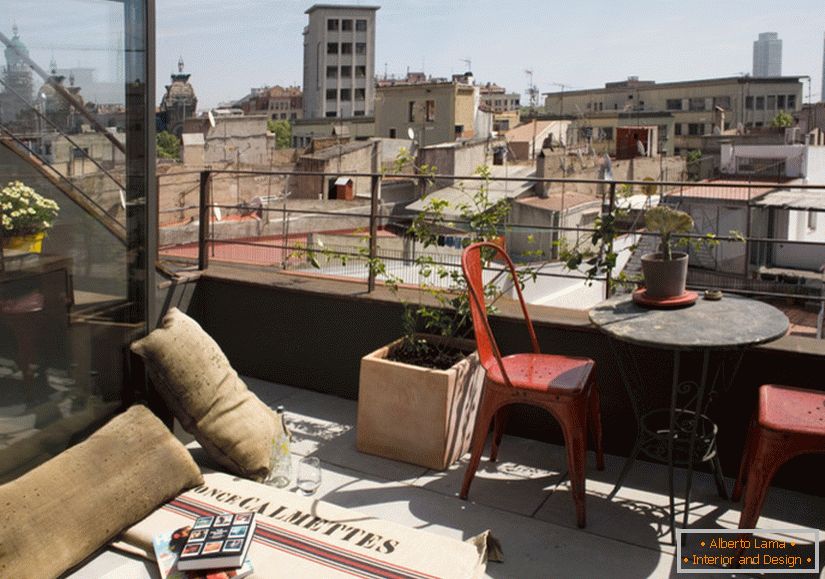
(686, 299)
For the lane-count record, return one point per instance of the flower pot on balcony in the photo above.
(415, 414)
(665, 278)
(29, 243)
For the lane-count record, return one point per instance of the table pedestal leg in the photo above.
(671, 433)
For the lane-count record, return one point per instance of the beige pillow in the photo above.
(58, 514)
(205, 394)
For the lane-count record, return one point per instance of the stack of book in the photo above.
(214, 547)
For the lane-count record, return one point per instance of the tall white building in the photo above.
(767, 55)
(339, 61)
(822, 92)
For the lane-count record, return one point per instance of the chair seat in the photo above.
(787, 409)
(544, 372)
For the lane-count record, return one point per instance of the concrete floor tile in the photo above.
(524, 498)
(342, 452)
(639, 514)
(531, 548)
(521, 479)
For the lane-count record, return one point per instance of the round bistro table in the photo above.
(683, 434)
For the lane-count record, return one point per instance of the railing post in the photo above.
(375, 187)
(203, 229)
(748, 248)
(611, 209)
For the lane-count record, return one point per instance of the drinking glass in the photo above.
(309, 475)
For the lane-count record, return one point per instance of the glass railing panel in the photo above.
(68, 305)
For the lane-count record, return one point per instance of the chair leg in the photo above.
(747, 456)
(595, 423)
(718, 477)
(761, 469)
(499, 423)
(482, 426)
(574, 426)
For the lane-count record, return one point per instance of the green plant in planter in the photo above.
(666, 221)
(479, 218)
(482, 219)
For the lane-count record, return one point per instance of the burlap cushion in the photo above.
(206, 395)
(56, 515)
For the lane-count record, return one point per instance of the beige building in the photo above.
(237, 139)
(339, 61)
(335, 161)
(699, 107)
(526, 140)
(85, 154)
(304, 131)
(436, 111)
(496, 99)
(280, 103)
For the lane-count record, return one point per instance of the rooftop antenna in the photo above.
(562, 86)
(469, 63)
(532, 92)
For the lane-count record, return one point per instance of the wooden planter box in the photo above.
(416, 414)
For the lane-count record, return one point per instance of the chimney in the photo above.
(541, 188)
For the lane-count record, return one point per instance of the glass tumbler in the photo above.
(309, 475)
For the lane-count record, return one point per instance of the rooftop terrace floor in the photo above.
(523, 498)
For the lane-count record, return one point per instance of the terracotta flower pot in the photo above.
(418, 415)
(665, 278)
(30, 243)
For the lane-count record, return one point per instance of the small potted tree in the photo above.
(665, 272)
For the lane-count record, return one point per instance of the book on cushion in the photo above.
(211, 543)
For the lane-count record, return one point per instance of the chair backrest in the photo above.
(472, 264)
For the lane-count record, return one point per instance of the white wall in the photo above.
(793, 154)
(815, 166)
(796, 256)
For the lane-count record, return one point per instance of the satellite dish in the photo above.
(411, 133)
(122, 198)
(217, 212)
(211, 119)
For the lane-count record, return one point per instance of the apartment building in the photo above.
(698, 107)
(497, 100)
(437, 111)
(339, 61)
(280, 103)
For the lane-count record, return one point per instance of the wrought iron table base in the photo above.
(688, 437)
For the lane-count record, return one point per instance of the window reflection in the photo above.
(67, 303)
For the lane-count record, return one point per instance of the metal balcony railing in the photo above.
(291, 237)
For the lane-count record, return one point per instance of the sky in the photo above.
(230, 47)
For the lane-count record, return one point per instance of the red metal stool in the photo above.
(789, 422)
(562, 385)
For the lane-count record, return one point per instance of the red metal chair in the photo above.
(788, 422)
(562, 385)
